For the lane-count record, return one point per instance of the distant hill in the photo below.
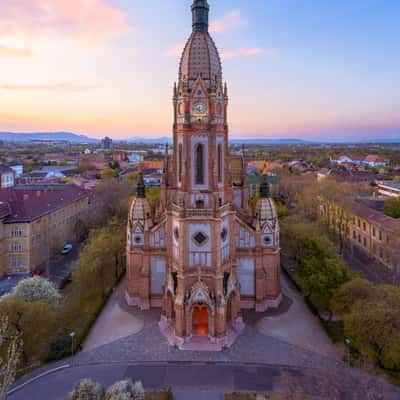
(143, 140)
(264, 142)
(46, 136)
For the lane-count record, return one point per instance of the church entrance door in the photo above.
(200, 320)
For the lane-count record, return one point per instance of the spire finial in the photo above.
(140, 186)
(200, 11)
(264, 187)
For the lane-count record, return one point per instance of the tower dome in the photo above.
(140, 211)
(265, 208)
(200, 56)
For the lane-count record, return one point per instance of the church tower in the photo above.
(204, 259)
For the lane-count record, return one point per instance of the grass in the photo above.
(162, 395)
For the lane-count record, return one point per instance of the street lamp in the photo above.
(348, 343)
(72, 335)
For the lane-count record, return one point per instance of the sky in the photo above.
(310, 69)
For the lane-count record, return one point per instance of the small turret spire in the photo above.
(200, 11)
(140, 186)
(264, 187)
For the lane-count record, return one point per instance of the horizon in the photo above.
(316, 72)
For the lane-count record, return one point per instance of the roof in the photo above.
(374, 158)
(4, 210)
(376, 217)
(30, 202)
(4, 169)
(153, 164)
(200, 58)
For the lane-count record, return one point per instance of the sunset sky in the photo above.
(312, 69)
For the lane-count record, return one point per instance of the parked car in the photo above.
(67, 249)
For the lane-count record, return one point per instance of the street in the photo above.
(60, 266)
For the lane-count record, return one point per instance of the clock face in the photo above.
(199, 108)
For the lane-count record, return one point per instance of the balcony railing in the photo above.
(200, 212)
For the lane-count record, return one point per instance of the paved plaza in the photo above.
(264, 358)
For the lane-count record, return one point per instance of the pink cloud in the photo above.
(230, 21)
(10, 52)
(244, 52)
(91, 20)
(175, 50)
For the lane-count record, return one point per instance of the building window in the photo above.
(200, 164)
(359, 238)
(380, 235)
(354, 235)
(364, 226)
(365, 242)
(220, 163)
(373, 232)
(180, 154)
(359, 223)
(16, 247)
(16, 232)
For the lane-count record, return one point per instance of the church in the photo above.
(205, 256)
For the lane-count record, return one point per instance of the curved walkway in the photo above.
(115, 322)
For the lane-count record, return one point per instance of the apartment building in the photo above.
(35, 222)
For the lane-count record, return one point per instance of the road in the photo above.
(209, 380)
(60, 266)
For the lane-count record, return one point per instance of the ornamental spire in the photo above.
(200, 11)
(264, 187)
(140, 186)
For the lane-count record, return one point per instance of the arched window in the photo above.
(200, 164)
(180, 151)
(220, 163)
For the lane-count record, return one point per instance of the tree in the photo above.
(101, 260)
(36, 289)
(32, 322)
(320, 275)
(392, 207)
(373, 326)
(108, 173)
(86, 389)
(125, 390)
(10, 345)
(345, 298)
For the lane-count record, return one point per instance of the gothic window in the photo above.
(224, 234)
(200, 204)
(200, 164)
(219, 163)
(180, 151)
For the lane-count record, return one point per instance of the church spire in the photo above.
(200, 11)
(140, 186)
(264, 187)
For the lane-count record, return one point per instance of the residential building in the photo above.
(203, 257)
(389, 189)
(107, 143)
(36, 221)
(369, 232)
(7, 177)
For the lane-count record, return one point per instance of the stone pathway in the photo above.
(115, 322)
(297, 325)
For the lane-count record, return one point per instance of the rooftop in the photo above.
(30, 202)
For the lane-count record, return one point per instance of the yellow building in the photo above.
(36, 222)
(368, 231)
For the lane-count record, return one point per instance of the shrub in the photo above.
(36, 289)
(87, 390)
(125, 390)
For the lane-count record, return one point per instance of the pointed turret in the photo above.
(264, 187)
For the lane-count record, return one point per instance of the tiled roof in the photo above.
(4, 210)
(5, 169)
(30, 202)
(376, 218)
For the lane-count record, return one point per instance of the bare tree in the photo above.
(12, 346)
